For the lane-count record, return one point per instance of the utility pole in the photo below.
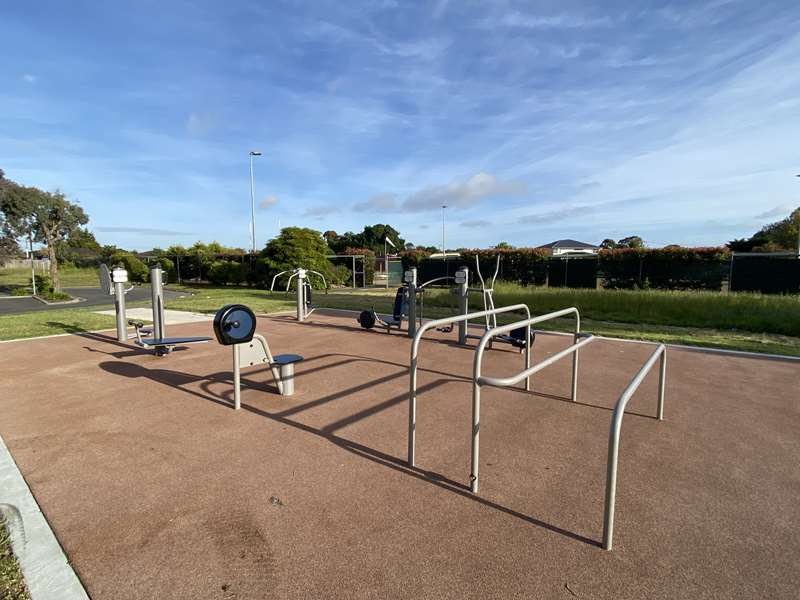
(253, 201)
(444, 250)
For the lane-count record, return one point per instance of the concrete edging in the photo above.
(48, 574)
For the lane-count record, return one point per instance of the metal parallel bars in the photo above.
(614, 434)
(412, 396)
(478, 380)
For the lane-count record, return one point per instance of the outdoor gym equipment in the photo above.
(235, 326)
(515, 337)
(159, 343)
(304, 307)
(479, 381)
(402, 308)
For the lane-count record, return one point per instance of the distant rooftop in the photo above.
(569, 244)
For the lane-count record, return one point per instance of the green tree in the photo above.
(374, 236)
(632, 241)
(48, 217)
(504, 246)
(297, 247)
(9, 246)
(608, 244)
(780, 235)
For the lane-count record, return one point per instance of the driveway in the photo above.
(10, 305)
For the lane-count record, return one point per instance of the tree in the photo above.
(608, 244)
(504, 246)
(297, 247)
(9, 247)
(48, 217)
(780, 235)
(632, 241)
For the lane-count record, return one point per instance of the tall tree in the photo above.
(632, 241)
(47, 217)
(608, 244)
(780, 235)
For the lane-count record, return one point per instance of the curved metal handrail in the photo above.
(614, 434)
(478, 380)
(430, 281)
(412, 397)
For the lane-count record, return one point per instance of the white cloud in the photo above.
(475, 223)
(199, 123)
(268, 201)
(376, 203)
(559, 21)
(319, 211)
(465, 194)
(779, 211)
(28, 78)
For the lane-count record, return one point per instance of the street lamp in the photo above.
(443, 246)
(253, 201)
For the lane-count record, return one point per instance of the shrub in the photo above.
(369, 264)
(297, 247)
(137, 270)
(44, 285)
(223, 272)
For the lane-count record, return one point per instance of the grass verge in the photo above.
(70, 277)
(12, 584)
(597, 318)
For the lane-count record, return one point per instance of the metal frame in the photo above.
(412, 395)
(614, 434)
(300, 273)
(363, 271)
(478, 380)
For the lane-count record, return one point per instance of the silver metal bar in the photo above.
(157, 298)
(614, 434)
(509, 381)
(237, 392)
(301, 295)
(478, 380)
(119, 306)
(412, 395)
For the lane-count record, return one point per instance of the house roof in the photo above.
(568, 244)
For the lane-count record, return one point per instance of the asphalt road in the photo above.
(89, 297)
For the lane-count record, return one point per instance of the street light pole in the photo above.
(253, 201)
(444, 251)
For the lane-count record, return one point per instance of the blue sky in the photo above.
(532, 121)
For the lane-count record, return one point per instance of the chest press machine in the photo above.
(235, 326)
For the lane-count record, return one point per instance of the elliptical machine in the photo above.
(516, 337)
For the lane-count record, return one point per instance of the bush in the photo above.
(137, 270)
(297, 247)
(671, 268)
(44, 285)
(224, 272)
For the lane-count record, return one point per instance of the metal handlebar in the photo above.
(412, 395)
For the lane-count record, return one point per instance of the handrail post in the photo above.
(575, 357)
(476, 431)
(412, 409)
(662, 380)
(528, 356)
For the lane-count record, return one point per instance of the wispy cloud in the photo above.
(557, 21)
(779, 211)
(267, 202)
(316, 212)
(139, 230)
(29, 78)
(464, 194)
(386, 202)
(476, 223)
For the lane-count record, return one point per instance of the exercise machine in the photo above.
(235, 326)
(304, 294)
(515, 337)
(113, 283)
(402, 307)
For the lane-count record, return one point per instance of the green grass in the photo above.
(70, 277)
(12, 584)
(51, 322)
(747, 322)
(595, 312)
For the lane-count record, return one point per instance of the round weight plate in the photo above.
(234, 324)
(366, 319)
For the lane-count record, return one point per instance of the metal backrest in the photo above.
(105, 279)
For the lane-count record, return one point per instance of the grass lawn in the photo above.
(750, 322)
(12, 585)
(70, 277)
(50, 322)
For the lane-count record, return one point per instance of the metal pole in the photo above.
(476, 430)
(444, 251)
(237, 393)
(463, 305)
(252, 206)
(33, 269)
(411, 284)
(354, 272)
(157, 299)
(119, 305)
(575, 358)
(662, 380)
(301, 308)
(386, 261)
